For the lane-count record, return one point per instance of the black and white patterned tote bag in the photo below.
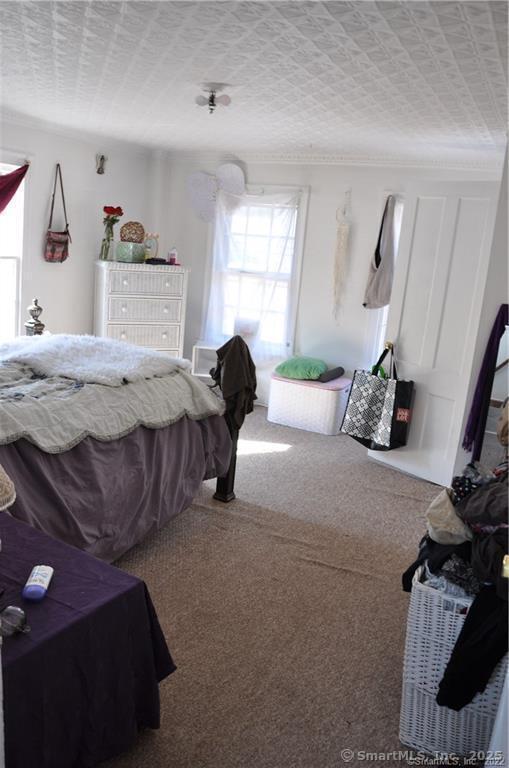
(379, 408)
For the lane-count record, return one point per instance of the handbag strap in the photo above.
(393, 374)
(378, 257)
(58, 177)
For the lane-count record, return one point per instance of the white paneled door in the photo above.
(434, 315)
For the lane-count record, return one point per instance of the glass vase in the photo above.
(106, 242)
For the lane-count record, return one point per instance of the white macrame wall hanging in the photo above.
(341, 253)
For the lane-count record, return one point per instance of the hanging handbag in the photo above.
(381, 268)
(57, 243)
(378, 409)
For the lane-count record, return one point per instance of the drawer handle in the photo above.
(124, 308)
(165, 335)
(167, 284)
(123, 335)
(125, 282)
(166, 310)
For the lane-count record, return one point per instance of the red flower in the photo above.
(109, 210)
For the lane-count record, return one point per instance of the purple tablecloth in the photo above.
(80, 685)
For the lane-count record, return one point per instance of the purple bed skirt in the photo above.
(104, 497)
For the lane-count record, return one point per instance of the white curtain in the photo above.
(252, 269)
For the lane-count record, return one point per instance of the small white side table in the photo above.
(204, 358)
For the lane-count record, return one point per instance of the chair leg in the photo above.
(225, 485)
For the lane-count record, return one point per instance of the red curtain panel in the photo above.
(9, 183)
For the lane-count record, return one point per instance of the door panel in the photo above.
(464, 267)
(422, 264)
(434, 315)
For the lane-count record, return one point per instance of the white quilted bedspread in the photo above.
(56, 412)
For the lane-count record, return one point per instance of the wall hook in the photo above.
(342, 213)
(348, 200)
(100, 161)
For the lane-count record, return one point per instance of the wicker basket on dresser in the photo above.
(141, 304)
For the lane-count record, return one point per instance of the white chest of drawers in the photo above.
(141, 304)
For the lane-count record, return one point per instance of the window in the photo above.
(255, 272)
(11, 249)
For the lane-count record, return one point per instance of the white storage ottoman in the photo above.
(434, 623)
(308, 405)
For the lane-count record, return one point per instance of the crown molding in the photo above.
(477, 164)
(480, 163)
(476, 161)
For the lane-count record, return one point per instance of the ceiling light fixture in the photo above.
(212, 100)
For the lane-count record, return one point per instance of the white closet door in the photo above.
(434, 315)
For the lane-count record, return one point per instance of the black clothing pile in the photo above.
(434, 555)
(476, 566)
(481, 644)
(472, 478)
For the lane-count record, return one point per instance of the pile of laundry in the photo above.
(464, 554)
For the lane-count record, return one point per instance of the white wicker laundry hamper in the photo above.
(434, 623)
(310, 405)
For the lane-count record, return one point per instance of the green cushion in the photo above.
(301, 368)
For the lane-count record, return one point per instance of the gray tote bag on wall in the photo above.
(381, 270)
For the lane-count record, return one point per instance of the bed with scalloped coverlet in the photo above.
(105, 442)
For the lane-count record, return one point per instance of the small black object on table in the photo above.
(81, 684)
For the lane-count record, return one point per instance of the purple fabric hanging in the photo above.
(9, 183)
(474, 432)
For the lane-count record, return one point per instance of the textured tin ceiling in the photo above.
(421, 82)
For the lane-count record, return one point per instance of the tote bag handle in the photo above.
(376, 368)
(378, 256)
(58, 177)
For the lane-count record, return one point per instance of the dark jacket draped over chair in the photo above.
(235, 374)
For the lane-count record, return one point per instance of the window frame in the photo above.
(16, 158)
(294, 281)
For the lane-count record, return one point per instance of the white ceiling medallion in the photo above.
(203, 187)
(213, 100)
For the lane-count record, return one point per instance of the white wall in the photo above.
(151, 186)
(66, 290)
(346, 340)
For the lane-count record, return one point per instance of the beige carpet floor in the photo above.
(283, 610)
